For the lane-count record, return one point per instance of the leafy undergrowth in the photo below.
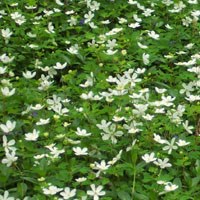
(100, 100)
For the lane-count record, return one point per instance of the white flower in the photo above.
(6, 59)
(32, 136)
(170, 187)
(149, 157)
(51, 190)
(81, 179)
(43, 121)
(82, 132)
(59, 2)
(67, 194)
(142, 46)
(5, 196)
(28, 74)
(168, 26)
(145, 58)
(170, 146)
(73, 49)
(96, 191)
(8, 127)
(153, 35)
(102, 166)
(60, 66)
(187, 127)
(159, 90)
(37, 107)
(88, 17)
(110, 52)
(111, 44)
(55, 151)
(104, 125)
(134, 25)
(162, 163)
(50, 28)
(181, 143)
(158, 139)
(8, 145)
(7, 92)
(80, 152)
(18, 18)
(3, 70)
(6, 33)
(10, 158)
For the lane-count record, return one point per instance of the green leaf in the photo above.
(124, 195)
(21, 189)
(195, 181)
(138, 196)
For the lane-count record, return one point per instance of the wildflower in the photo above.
(32, 136)
(43, 122)
(59, 2)
(181, 143)
(51, 190)
(6, 59)
(67, 193)
(10, 158)
(162, 163)
(80, 152)
(111, 44)
(149, 157)
(96, 191)
(8, 127)
(170, 187)
(6, 33)
(153, 35)
(158, 139)
(8, 145)
(101, 167)
(73, 49)
(5, 196)
(18, 18)
(28, 74)
(50, 28)
(88, 17)
(54, 151)
(7, 92)
(81, 179)
(170, 146)
(60, 66)
(110, 52)
(187, 127)
(160, 90)
(37, 107)
(82, 132)
(142, 46)
(3, 70)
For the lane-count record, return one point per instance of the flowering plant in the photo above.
(99, 99)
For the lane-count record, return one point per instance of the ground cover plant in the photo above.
(99, 100)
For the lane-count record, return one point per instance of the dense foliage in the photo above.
(100, 99)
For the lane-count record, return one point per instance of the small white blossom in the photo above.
(8, 127)
(51, 190)
(28, 74)
(149, 157)
(7, 92)
(80, 152)
(67, 193)
(153, 35)
(10, 158)
(182, 143)
(96, 191)
(32, 136)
